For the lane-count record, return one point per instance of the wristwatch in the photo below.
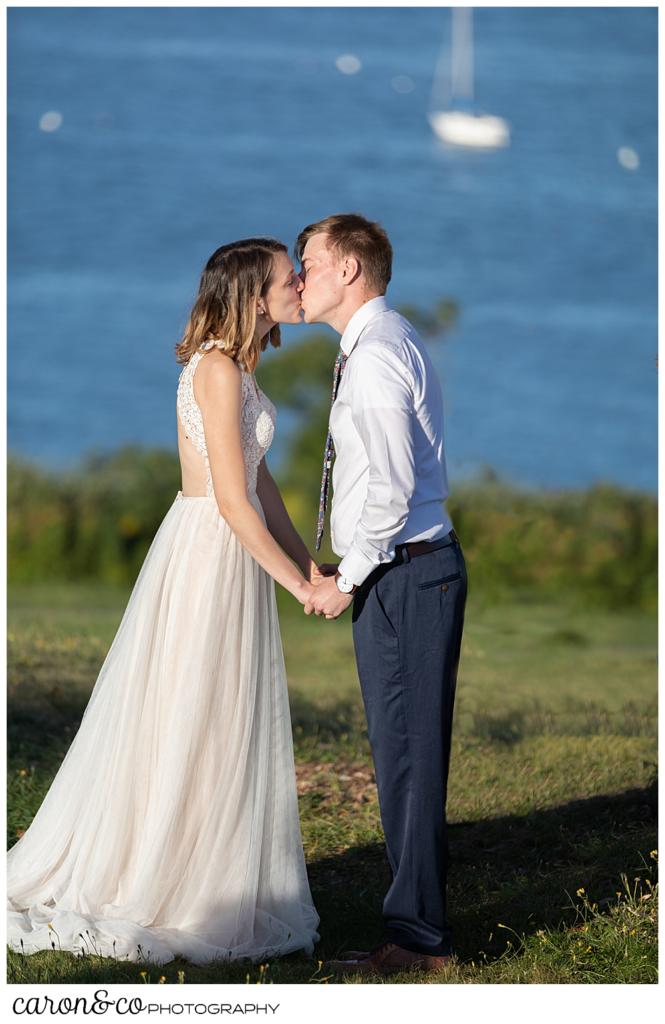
(344, 586)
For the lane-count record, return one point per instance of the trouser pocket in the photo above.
(440, 581)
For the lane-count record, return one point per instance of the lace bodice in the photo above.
(257, 421)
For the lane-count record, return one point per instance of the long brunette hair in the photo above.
(234, 279)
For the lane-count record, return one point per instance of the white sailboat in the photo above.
(452, 116)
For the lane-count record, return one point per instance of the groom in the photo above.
(402, 568)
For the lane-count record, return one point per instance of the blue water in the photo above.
(185, 128)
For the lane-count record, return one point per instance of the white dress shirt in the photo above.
(389, 475)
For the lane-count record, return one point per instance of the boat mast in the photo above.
(453, 75)
(462, 53)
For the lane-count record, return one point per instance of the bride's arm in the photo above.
(218, 394)
(279, 522)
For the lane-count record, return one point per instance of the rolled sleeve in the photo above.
(382, 413)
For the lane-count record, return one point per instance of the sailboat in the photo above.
(452, 115)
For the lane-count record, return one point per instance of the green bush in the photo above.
(599, 545)
(97, 523)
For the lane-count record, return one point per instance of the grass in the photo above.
(552, 797)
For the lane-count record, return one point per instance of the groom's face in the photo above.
(320, 273)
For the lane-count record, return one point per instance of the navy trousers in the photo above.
(407, 630)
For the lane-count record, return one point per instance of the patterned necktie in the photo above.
(340, 363)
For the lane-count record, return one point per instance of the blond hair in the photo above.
(233, 280)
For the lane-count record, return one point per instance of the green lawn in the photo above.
(552, 786)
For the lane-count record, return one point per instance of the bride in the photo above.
(171, 828)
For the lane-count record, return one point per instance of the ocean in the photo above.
(140, 139)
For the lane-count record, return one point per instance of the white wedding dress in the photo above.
(171, 828)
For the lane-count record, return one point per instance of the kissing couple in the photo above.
(171, 828)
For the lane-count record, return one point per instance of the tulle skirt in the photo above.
(171, 828)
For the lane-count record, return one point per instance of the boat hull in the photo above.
(477, 131)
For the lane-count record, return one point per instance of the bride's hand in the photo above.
(304, 593)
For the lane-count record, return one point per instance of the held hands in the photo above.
(313, 575)
(326, 599)
(319, 591)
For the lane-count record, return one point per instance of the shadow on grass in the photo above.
(520, 872)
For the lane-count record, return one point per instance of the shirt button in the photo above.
(444, 587)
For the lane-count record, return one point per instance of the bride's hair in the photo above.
(234, 279)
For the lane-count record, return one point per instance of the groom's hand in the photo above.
(327, 600)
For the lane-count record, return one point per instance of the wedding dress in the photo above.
(171, 828)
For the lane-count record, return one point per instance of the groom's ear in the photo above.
(350, 269)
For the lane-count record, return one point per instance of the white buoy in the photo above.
(628, 158)
(348, 64)
(403, 84)
(50, 121)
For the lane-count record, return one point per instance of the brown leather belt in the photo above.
(423, 547)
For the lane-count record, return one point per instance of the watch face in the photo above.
(345, 586)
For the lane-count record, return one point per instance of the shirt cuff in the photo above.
(356, 567)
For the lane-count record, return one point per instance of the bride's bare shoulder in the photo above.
(217, 371)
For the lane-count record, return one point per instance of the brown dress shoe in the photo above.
(388, 959)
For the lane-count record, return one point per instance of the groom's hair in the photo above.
(351, 234)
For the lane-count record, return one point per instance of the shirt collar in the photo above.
(359, 321)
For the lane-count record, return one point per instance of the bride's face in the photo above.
(282, 298)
